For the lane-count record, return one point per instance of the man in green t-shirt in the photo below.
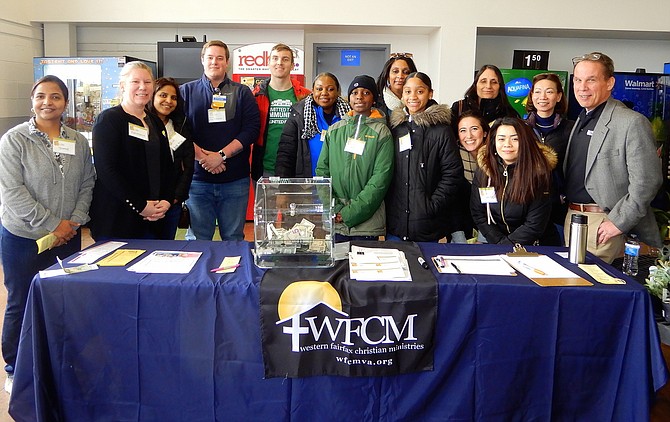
(274, 97)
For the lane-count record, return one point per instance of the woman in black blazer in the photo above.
(135, 183)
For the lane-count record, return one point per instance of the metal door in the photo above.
(346, 61)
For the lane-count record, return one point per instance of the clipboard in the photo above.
(543, 270)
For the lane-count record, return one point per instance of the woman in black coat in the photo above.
(510, 201)
(135, 183)
(168, 105)
(428, 169)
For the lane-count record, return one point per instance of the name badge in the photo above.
(589, 133)
(176, 141)
(218, 101)
(354, 146)
(216, 115)
(488, 195)
(323, 136)
(64, 146)
(405, 143)
(139, 132)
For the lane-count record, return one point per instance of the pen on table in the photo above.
(230, 267)
(456, 268)
(423, 262)
(533, 269)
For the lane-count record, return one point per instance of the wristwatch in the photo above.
(223, 155)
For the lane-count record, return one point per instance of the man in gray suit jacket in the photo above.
(612, 169)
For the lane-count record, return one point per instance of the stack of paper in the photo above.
(481, 265)
(372, 264)
(540, 266)
(544, 271)
(167, 262)
(91, 255)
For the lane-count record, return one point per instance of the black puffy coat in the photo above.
(526, 224)
(426, 177)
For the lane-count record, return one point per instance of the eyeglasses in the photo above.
(401, 55)
(589, 56)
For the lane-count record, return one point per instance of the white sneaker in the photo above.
(9, 382)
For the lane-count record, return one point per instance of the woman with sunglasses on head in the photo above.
(167, 104)
(428, 171)
(391, 80)
(304, 131)
(486, 95)
(46, 185)
(546, 106)
(510, 200)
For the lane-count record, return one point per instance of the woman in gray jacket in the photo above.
(46, 184)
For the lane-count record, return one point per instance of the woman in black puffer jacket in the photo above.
(428, 169)
(510, 201)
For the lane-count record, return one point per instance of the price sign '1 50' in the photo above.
(527, 59)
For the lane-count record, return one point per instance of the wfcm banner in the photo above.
(319, 322)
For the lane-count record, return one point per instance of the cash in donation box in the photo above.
(293, 223)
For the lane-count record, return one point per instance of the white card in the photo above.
(176, 141)
(405, 143)
(139, 132)
(488, 195)
(215, 115)
(354, 146)
(64, 146)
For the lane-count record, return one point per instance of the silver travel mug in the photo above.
(578, 236)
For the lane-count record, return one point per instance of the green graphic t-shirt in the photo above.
(280, 104)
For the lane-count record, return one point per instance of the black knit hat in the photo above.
(363, 81)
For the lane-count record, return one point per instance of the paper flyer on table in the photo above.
(91, 255)
(599, 275)
(540, 266)
(478, 265)
(66, 271)
(167, 262)
(120, 257)
(228, 265)
(372, 264)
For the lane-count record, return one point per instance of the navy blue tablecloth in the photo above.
(112, 345)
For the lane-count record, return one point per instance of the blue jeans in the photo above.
(222, 202)
(20, 263)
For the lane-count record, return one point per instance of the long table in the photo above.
(112, 345)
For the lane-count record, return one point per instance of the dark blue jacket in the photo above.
(242, 123)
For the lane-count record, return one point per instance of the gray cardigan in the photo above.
(34, 195)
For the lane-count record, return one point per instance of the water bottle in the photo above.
(578, 237)
(631, 254)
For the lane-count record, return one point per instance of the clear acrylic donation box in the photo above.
(292, 223)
